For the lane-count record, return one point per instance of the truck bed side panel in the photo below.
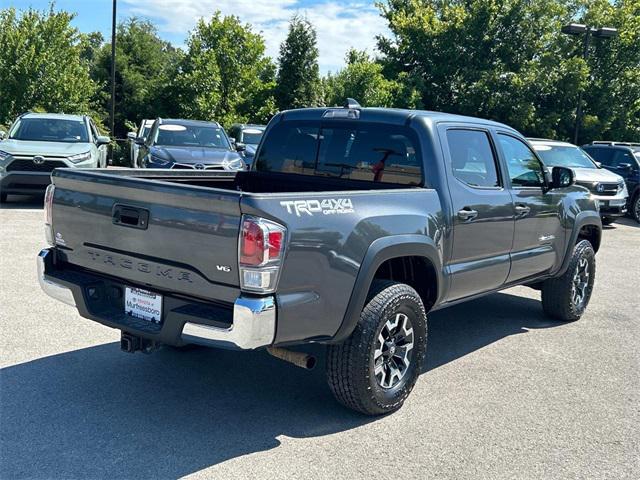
(328, 244)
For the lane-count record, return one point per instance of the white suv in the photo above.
(39, 142)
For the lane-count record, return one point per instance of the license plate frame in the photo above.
(143, 304)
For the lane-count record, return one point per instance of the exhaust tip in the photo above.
(311, 362)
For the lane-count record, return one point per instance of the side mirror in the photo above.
(625, 166)
(3, 134)
(132, 136)
(102, 140)
(240, 147)
(139, 140)
(598, 164)
(562, 177)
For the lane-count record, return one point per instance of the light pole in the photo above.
(580, 29)
(113, 72)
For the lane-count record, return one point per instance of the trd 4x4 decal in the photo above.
(327, 206)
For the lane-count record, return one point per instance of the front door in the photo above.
(539, 236)
(482, 212)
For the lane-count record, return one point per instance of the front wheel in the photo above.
(635, 207)
(375, 369)
(565, 298)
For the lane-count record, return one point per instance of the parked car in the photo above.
(143, 131)
(623, 159)
(351, 226)
(607, 187)
(39, 142)
(246, 138)
(188, 144)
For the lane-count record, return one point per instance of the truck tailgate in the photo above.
(168, 236)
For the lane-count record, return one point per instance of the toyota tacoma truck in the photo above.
(352, 225)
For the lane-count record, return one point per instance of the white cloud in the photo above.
(339, 25)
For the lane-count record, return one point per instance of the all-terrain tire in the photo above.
(565, 298)
(351, 372)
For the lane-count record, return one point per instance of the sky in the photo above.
(340, 24)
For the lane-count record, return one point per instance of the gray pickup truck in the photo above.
(351, 226)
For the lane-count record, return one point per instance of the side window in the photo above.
(472, 158)
(621, 156)
(525, 170)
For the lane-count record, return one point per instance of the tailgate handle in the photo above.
(133, 217)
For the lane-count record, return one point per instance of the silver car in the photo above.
(39, 142)
(607, 187)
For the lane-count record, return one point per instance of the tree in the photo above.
(145, 67)
(40, 64)
(361, 79)
(612, 84)
(507, 60)
(298, 81)
(225, 75)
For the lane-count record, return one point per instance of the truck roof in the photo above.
(394, 115)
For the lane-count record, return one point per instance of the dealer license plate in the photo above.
(617, 203)
(143, 304)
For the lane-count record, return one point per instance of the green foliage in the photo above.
(40, 64)
(298, 81)
(499, 59)
(363, 80)
(145, 67)
(225, 75)
(507, 60)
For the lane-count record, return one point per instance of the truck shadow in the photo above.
(99, 413)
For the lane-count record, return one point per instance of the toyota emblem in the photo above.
(199, 166)
(38, 159)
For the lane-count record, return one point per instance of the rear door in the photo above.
(483, 222)
(539, 237)
(157, 234)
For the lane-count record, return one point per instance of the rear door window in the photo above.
(472, 158)
(354, 151)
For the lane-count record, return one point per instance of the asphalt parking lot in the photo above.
(506, 392)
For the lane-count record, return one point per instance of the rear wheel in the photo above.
(375, 369)
(565, 298)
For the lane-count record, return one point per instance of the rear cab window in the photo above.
(373, 152)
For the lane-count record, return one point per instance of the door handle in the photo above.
(522, 210)
(467, 214)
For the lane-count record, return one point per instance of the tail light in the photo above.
(262, 245)
(48, 214)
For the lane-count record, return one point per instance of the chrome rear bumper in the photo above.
(253, 326)
(54, 290)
